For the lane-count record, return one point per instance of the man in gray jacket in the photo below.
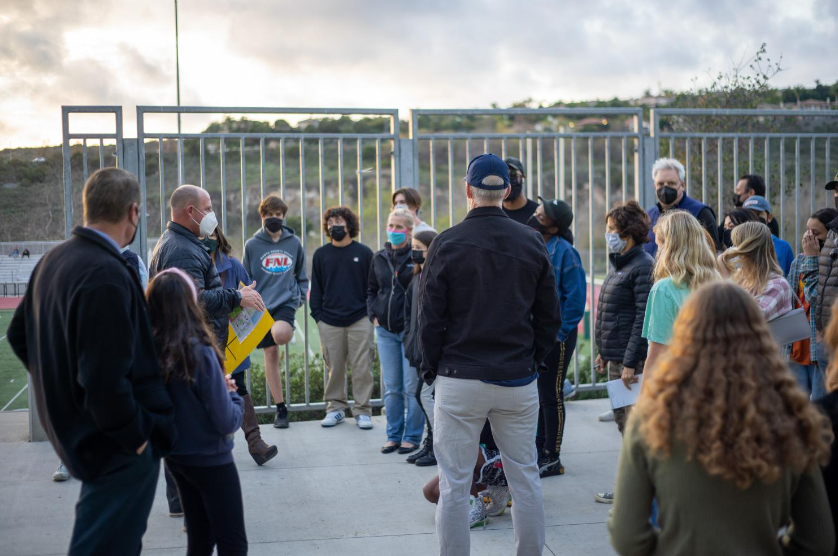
(276, 260)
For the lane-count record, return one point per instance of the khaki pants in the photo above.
(615, 371)
(460, 411)
(353, 344)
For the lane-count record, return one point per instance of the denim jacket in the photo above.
(570, 284)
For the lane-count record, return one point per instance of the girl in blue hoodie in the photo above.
(207, 413)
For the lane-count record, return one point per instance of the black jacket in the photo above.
(488, 307)
(390, 275)
(179, 248)
(622, 306)
(83, 333)
(411, 324)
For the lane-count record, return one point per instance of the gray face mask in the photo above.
(615, 243)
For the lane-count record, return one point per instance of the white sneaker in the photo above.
(607, 416)
(61, 474)
(364, 422)
(498, 498)
(333, 418)
(476, 513)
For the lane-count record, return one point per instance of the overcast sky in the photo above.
(383, 54)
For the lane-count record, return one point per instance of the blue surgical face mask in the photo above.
(396, 238)
(615, 243)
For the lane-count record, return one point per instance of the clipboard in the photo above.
(246, 329)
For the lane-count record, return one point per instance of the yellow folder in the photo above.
(246, 329)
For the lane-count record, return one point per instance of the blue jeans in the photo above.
(810, 378)
(400, 380)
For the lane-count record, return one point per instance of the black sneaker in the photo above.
(550, 465)
(281, 421)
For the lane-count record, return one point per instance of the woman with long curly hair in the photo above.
(752, 263)
(683, 262)
(725, 441)
(829, 405)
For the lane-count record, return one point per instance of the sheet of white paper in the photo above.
(621, 396)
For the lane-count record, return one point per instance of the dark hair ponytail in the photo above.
(567, 235)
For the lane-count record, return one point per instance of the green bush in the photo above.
(295, 393)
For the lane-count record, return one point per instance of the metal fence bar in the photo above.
(689, 154)
(624, 168)
(222, 153)
(360, 174)
(573, 208)
(704, 171)
(85, 167)
(750, 157)
(782, 187)
(433, 185)
(304, 235)
(812, 194)
(538, 158)
(262, 168)
(179, 161)
(720, 184)
(203, 177)
(735, 164)
(282, 168)
(827, 175)
(591, 333)
(502, 149)
(450, 183)
(797, 192)
(340, 173)
(378, 192)
(767, 169)
(160, 169)
(556, 165)
(101, 153)
(321, 187)
(244, 193)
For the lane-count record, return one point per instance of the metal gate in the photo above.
(789, 148)
(240, 168)
(609, 146)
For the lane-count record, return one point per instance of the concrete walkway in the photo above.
(329, 491)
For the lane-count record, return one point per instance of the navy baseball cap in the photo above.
(757, 203)
(484, 166)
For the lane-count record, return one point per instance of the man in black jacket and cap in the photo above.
(484, 343)
(83, 333)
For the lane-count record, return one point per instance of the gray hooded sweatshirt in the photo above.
(279, 269)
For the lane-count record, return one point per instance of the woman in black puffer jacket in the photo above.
(622, 302)
(622, 299)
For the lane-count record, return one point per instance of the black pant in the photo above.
(212, 508)
(419, 386)
(112, 511)
(551, 415)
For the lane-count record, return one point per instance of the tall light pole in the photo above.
(177, 68)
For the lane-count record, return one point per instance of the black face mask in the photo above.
(417, 256)
(517, 185)
(727, 240)
(136, 227)
(273, 224)
(666, 195)
(337, 233)
(737, 200)
(536, 225)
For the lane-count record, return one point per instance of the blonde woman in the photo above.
(752, 263)
(683, 262)
(725, 441)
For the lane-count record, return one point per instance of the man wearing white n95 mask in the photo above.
(180, 247)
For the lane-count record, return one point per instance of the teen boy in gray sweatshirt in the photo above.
(275, 259)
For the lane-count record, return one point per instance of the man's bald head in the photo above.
(186, 195)
(189, 204)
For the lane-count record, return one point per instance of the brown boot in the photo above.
(259, 451)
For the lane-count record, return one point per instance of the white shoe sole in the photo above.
(332, 424)
(60, 478)
(365, 427)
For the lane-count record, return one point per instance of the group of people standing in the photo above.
(474, 329)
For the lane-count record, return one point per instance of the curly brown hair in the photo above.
(631, 221)
(352, 225)
(723, 391)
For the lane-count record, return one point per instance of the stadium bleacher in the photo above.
(14, 274)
